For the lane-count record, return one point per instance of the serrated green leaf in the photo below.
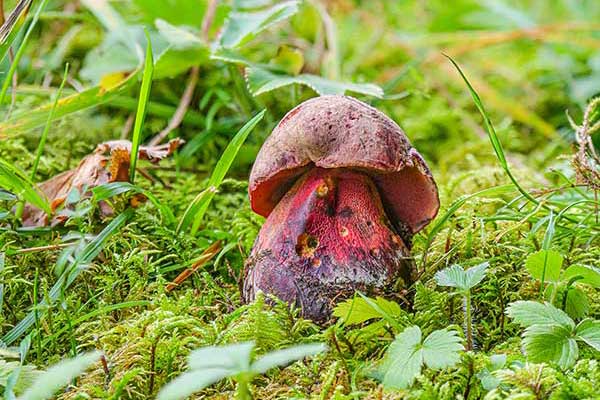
(586, 273)
(441, 349)
(528, 313)
(550, 343)
(546, 264)
(190, 382)
(407, 354)
(59, 375)
(589, 331)
(456, 276)
(357, 310)
(281, 358)
(403, 360)
(261, 80)
(241, 27)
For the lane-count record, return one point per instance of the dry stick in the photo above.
(2, 19)
(205, 257)
(209, 16)
(42, 248)
(127, 126)
(182, 108)
(186, 99)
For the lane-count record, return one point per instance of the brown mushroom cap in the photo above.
(342, 132)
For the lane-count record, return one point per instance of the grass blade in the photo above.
(12, 26)
(142, 108)
(90, 251)
(491, 131)
(23, 121)
(19, 54)
(440, 221)
(108, 190)
(16, 181)
(42, 142)
(195, 212)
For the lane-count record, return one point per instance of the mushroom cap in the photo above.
(343, 132)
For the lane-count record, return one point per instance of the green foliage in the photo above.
(21, 50)
(455, 276)
(545, 264)
(528, 64)
(408, 353)
(58, 376)
(16, 181)
(361, 309)
(195, 212)
(70, 265)
(262, 81)
(211, 364)
(550, 334)
(242, 26)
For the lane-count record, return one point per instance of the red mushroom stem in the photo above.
(327, 237)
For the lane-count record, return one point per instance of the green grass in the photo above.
(490, 120)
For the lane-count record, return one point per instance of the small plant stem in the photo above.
(42, 142)
(242, 391)
(468, 323)
(38, 337)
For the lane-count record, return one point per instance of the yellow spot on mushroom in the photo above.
(306, 245)
(344, 231)
(316, 262)
(322, 189)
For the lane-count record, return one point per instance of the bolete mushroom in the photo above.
(343, 191)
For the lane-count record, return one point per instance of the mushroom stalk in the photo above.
(327, 237)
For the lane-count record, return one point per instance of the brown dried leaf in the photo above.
(108, 163)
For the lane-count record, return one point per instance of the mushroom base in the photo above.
(328, 237)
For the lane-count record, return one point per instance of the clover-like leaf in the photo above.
(585, 273)
(456, 276)
(441, 349)
(190, 382)
(59, 375)
(234, 357)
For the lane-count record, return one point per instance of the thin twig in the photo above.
(205, 257)
(209, 16)
(43, 248)
(182, 108)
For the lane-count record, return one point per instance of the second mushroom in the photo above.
(343, 191)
